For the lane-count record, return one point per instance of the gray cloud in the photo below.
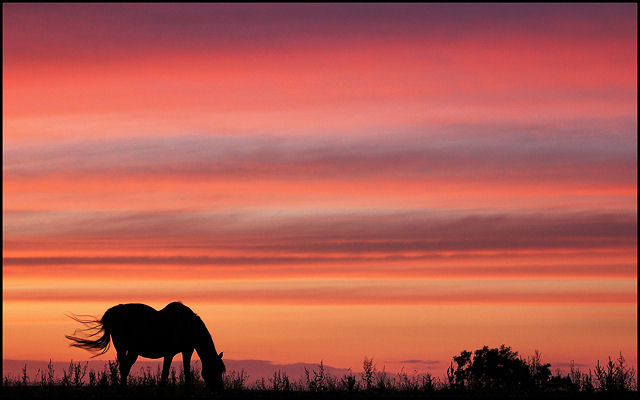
(499, 153)
(345, 232)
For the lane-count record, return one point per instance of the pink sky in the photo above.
(325, 181)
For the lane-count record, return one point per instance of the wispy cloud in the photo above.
(346, 232)
(318, 294)
(486, 153)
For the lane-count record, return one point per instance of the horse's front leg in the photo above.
(165, 370)
(186, 364)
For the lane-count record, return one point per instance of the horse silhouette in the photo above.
(140, 330)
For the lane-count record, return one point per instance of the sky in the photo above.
(325, 181)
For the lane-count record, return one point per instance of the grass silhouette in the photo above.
(484, 373)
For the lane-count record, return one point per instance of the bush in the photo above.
(321, 380)
(497, 369)
(368, 372)
(349, 382)
(235, 380)
(616, 376)
(280, 381)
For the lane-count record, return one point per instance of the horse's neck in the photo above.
(204, 345)
(206, 353)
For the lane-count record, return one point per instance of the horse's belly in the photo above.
(155, 354)
(152, 335)
(150, 343)
(159, 347)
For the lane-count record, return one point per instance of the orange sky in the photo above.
(325, 181)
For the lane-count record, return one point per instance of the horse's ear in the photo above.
(220, 355)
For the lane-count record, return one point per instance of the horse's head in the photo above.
(212, 371)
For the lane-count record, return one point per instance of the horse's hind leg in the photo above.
(125, 361)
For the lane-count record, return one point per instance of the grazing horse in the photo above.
(139, 330)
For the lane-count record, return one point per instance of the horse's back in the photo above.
(178, 316)
(132, 308)
(177, 308)
(152, 333)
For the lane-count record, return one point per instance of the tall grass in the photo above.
(615, 376)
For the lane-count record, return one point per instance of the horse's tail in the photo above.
(94, 327)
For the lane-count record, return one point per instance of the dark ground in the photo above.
(62, 392)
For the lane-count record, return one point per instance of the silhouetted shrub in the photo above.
(25, 377)
(145, 377)
(615, 376)
(559, 383)
(349, 382)
(92, 378)
(574, 381)
(497, 369)
(539, 372)
(406, 382)
(383, 381)
(428, 383)
(79, 371)
(196, 373)
(321, 381)
(114, 373)
(66, 377)
(368, 372)
(235, 380)
(50, 373)
(280, 381)
(75, 374)
(103, 377)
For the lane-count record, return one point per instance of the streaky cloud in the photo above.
(384, 231)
